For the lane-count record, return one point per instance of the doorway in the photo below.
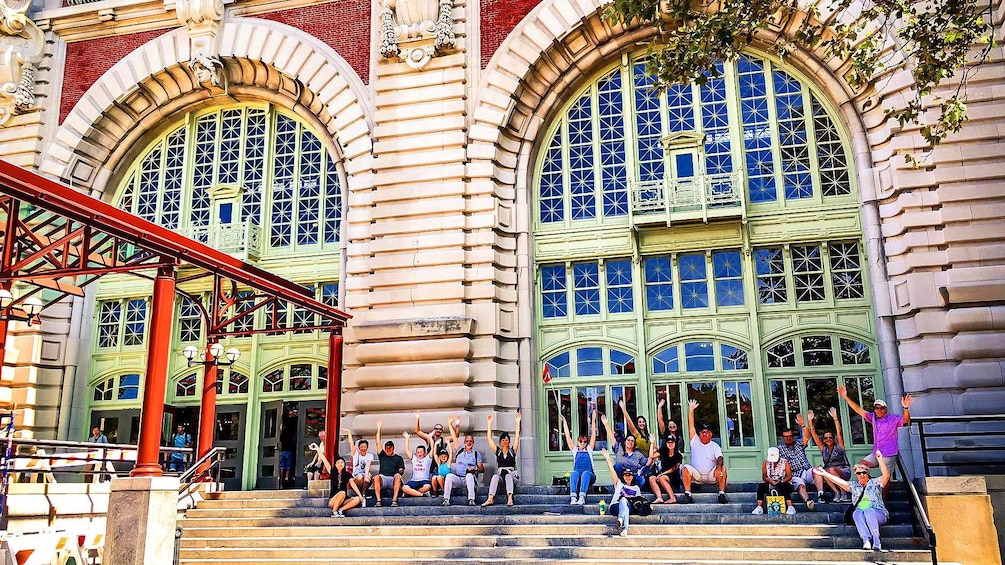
(293, 426)
(231, 423)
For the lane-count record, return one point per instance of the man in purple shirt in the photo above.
(884, 428)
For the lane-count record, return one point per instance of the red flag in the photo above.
(546, 374)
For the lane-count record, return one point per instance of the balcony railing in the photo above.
(242, 240)
(695, 198)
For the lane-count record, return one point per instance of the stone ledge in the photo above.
(447, 326)
(949, 486)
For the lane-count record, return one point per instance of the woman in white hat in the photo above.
(777, 476)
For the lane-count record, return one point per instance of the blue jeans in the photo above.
(623, 511)
(867, 522)
(587, 477)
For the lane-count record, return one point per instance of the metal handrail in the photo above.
(208, 466)
(77, 461)
(918, 510)
(925, 435)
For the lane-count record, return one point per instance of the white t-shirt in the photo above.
(361, 463)
(704, 455)
(421, 467)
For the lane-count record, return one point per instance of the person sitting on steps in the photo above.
(582, 476)
(435, 440)
(390, 470)
(835, 461)
(707, 465)
(795, 453)
(362, 460)
(467, 464)
(446, 460)
(624, 490)
(422, 466)
(776, 475)
(626, 455)
(637, 426)
(668, 475)
(867, 495)
(505, 460)
(341, 483)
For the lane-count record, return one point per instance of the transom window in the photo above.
(699, 356)
(692, 273)
(247, 164)
(595, 361)
(756, 119)
(122, 387)
(817, 351)
(236, 383)
(121, 322)
(295, 378)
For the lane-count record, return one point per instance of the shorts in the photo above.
(890, 460)
(419, 484)
(802, 479)
(314, 468)
(699, 477)
(285, 460)
(385, 481)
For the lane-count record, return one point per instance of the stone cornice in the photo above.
(107, 18)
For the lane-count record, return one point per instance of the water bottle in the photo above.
(603, 507)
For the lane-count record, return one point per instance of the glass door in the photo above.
(268, 445)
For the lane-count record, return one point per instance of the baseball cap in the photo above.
(704, 428)
(773, 455)
(879, 402)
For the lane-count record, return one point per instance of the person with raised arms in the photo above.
(505, 460)
(582, 476)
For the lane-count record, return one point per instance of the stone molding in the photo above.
(22, 46)
(416, 30)
(84, 150)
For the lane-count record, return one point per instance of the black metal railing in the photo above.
(919, 517)
(206, 469)
(962, 445)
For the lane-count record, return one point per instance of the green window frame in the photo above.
(811, 273)
(121, 324)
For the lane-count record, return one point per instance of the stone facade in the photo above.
(437, 267)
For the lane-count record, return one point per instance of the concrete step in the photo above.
(662, 560)
(614, 554)
(607, 539)
(483, 526)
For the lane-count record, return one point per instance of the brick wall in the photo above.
(499, 17)
(344, 25)
(84, 67)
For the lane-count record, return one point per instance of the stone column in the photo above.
(142, 516)
(423, 275)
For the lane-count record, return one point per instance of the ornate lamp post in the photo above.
(211, 361)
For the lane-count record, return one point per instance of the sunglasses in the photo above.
(786, 436)
(879, 407)
(861, 472)
(828, 437)
(437, 429)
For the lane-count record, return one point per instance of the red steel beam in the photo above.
(54, 197)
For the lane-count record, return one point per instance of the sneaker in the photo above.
(757, 510)
(582, 499)
(394, 503)
(378, 504)
(809, 504)
(791, 511)
(876, 546)
(363, 504)
(573, 501)
(867, 545)
(686, 499)
(446, 502)
(722, 497)
(471, 501)
(336, 514)
(624, 533)
(428, 494)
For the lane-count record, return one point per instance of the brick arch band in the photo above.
(562, 43)
(132, 99)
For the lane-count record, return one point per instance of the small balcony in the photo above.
(701, 197)
(243, 240)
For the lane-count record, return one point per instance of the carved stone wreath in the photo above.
(415, 31)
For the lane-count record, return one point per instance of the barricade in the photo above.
(56, 547)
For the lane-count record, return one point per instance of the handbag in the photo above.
(848, 519)
(775, 503)
(640, 505)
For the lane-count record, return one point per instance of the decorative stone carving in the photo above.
(202, 19)
(22, 44)
(416, 30)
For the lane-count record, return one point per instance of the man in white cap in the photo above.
(884, 428)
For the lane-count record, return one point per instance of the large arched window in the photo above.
(756, 123)
(246, 175)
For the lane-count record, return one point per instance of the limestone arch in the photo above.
(294, 70)
(558, 46)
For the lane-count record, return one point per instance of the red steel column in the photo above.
(333, 400)
(155, 384)
(207, 414)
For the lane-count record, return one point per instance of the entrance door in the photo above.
(310, 423)
(268, 445)
(229, 431)
(186, 416)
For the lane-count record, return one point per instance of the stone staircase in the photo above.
(288, 527)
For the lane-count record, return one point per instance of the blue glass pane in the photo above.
(619, 272)
(558, 365)
(582, 183)
(622, 363)
(684, 163)
(658, 270)
(726, 264)
(692, 267)
(733, 359)
(699, 356)
(619, 286)
(680, 108)
(553, 288)
(649, 128)
(586, 275)
(729, 293)
(589, 362)
(619, 300)
(553, 278)
(587, 302)
(666, 361)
